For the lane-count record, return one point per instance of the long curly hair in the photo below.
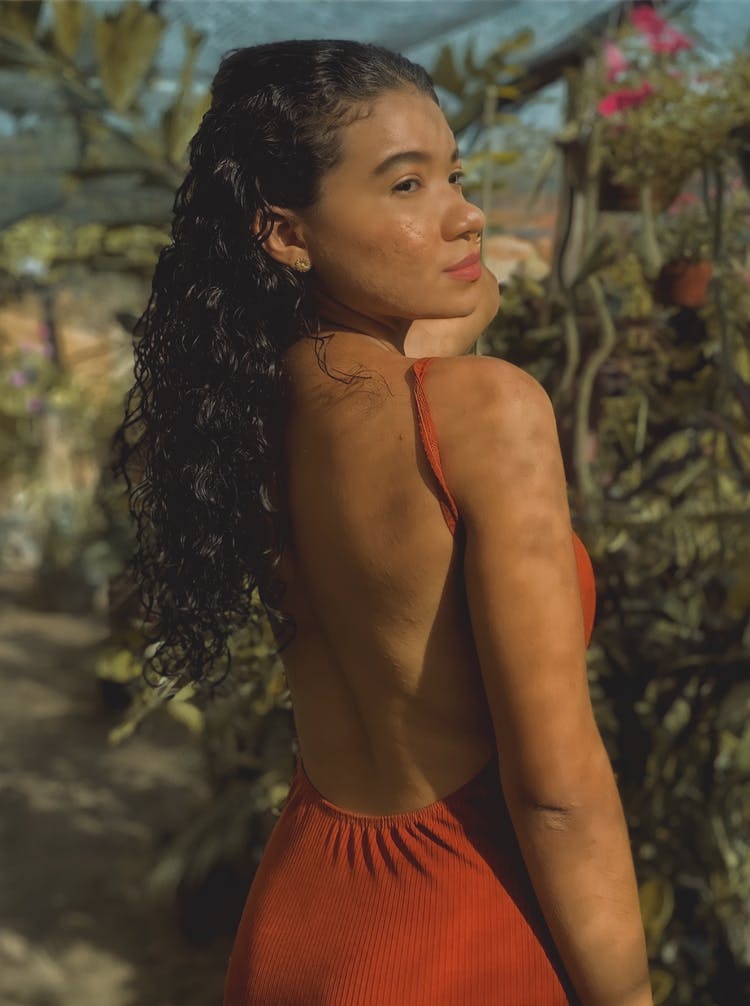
(208, 402)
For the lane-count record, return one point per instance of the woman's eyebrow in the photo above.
(408, 155)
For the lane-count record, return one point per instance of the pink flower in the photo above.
(647, 21)
(34, 404)
(662, 37)
(626, 97)
(681, 201)
(670, 43)
(614, 60)
(18, 378)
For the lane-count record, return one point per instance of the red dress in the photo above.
(432, 907)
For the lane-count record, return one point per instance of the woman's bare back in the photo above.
(388, 700)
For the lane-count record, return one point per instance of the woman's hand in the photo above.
(442, 336)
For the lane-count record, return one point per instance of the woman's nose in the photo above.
(467, 217)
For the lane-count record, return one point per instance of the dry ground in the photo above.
(80, 825)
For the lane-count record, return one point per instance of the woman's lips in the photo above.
(469, 268)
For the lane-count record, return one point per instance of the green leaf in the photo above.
(445, 73)
(126, 44)
(509, 91)
(120, 733)
(493, 156)
(657, 907)
(119, 666)
(68, 25)
(187, 714)
(662, 984)
(520, 40)
(674, 447)
(548, 162)
(603, 254)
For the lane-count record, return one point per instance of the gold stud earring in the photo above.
(302, 264)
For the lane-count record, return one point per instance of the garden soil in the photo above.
(81, 826)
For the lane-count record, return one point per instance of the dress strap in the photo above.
(429, 442)
(587, 582)
(452, 517)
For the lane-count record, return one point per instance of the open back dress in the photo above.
(431, 907)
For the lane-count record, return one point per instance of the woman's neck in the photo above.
(388, 333)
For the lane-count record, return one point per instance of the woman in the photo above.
(453, 834)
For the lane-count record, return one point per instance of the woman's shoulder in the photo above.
(485, 412)
(467, 386)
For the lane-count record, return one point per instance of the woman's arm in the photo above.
(502, 462)
(439, 336)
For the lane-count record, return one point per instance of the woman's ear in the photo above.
(283, 241)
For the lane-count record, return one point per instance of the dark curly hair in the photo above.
(208, 348)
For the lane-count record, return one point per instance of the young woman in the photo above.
(316, 425)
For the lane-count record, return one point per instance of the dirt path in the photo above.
(80, 824)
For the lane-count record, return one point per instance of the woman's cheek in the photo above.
(412, 238)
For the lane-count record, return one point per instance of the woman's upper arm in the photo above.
(506, 473)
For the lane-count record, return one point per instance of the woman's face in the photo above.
(384, 230)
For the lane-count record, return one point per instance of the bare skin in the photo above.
(390, 700)
(379, 244)
(388, 703)
(385, 684)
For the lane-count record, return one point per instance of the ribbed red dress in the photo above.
(432, 907)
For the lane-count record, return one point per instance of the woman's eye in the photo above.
(459, 175)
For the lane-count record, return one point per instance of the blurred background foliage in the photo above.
(639, 332)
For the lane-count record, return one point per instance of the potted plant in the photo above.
(686, 242)
(639, 80)
(683, 282)
(663, 115)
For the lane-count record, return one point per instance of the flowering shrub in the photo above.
(27, 377)
(665, 113)
(661, 37)
(653, 37)
(626, 97)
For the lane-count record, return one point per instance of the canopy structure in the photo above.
(418, 28)
(124, 188)
(421, 28)
(195, 34)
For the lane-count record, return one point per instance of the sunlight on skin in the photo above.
(433, 336)
(438, 336)
(390, 220)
